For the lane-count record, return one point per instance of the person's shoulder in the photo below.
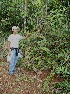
(19, 36)
(10, 37)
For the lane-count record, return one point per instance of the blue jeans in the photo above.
(13, 62)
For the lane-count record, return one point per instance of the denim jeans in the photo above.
(13, 62)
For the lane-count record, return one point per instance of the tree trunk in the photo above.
(25, 5)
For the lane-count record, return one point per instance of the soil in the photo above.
(23, 81)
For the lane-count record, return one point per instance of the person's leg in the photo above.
(12, 62)
(15, 62)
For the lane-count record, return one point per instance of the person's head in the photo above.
(15, 29)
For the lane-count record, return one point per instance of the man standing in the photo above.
(13, 48)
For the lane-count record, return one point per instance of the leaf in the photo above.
(45, 49)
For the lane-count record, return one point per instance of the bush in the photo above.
(62, 87)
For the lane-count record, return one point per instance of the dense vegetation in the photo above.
(48, 46)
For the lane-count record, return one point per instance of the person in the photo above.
(13, 48)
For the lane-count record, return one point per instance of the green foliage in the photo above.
(38, 54)
(62, 70)
(49, 43)
(21, 63)
(62, 87)
(11, 14)
(49, 46)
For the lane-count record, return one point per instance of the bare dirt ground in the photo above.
(23, 81)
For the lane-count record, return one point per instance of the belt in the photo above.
(16, 49)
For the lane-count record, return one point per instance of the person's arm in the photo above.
(8, 46)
